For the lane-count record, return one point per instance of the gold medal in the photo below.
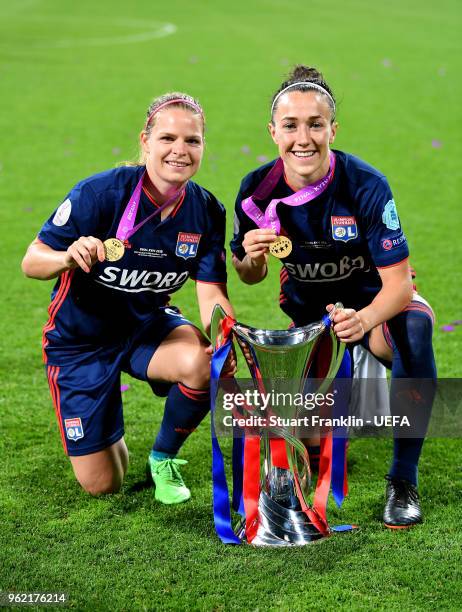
(113, 249)
(281, 247)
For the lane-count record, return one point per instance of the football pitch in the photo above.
(76, 79)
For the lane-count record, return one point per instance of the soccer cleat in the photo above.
(402, 508)
(170, 487)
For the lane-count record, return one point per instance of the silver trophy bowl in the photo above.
(282, 360)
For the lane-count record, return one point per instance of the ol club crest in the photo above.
(74, 429)
(344, 228)
(187, 245)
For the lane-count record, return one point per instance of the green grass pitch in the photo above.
(76, 79)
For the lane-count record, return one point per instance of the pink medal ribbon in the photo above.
(269, 218)
(126, 229)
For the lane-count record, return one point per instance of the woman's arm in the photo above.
(254, 267)
(395, 294)
(43, 262)
(209, 294)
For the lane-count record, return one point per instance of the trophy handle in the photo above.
(218, 315)
(338, 351)
(336, 360)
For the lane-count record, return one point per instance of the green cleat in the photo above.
(170, 487)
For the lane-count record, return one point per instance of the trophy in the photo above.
(278, 360)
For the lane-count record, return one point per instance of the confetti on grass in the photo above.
(447, 328)
(245, 149)
(124, 388)
(262, 159)
(437, 144)
(457, 322)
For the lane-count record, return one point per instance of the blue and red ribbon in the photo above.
(246, 459)
(221, 505)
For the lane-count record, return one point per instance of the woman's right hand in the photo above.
(84, 253)
(256, 244)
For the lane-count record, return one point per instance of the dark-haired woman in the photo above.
(332, 220)
(120, 244)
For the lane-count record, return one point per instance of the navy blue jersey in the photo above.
(105, 306)
(339, 239)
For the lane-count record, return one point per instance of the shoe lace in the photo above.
(168, 469)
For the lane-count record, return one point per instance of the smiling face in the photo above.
(303, 130)
(173, 147)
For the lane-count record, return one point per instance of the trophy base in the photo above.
(279, 526)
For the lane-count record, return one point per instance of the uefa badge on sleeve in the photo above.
(187, 245)
(390, 215)
(74, 429)
(344, 228)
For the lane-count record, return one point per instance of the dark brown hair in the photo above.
(301, 77)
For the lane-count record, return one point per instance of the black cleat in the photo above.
(402, 508)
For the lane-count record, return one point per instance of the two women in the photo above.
(336, 231)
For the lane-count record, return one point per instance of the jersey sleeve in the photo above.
(385, 237)
(242, 224)
(211, 266)
(77, 216)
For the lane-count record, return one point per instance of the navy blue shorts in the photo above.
(87, 396)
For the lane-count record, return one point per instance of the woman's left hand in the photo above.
(230, 365)
(348, 326)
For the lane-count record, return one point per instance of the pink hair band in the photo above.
(193, 105)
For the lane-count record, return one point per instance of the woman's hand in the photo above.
(43, 262)
(230, 365)
(256, 244)
(347, 325)
(84, 253)
(253, 268)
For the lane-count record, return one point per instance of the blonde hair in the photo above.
(174, 99)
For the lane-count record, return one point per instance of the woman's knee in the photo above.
(182, 357)
(412, 331)
(413, 355)
(194, 361)
(102, 472)
(194, 368)
(101, 484)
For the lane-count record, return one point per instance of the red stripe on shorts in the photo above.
(53, 372)
(55, 305)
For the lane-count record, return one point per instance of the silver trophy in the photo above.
(281, 360)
